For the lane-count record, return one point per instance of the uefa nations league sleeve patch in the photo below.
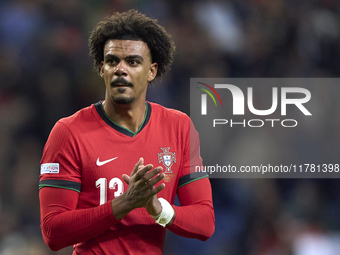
(49, 168)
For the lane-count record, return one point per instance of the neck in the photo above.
(129, 116)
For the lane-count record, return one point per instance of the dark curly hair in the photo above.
(133, 25)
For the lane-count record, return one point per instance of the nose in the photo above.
(120, 69)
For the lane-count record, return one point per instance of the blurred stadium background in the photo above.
(45, 74)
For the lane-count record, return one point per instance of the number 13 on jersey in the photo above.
(114, 184)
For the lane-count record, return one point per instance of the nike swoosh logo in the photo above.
(100, 163)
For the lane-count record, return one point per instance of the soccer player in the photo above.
(110, 172)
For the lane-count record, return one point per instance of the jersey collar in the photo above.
(123, 130)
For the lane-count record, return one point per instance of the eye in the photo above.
(134, 62)
(111, 61)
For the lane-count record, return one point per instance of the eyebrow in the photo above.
(111, 56)
(136, 56)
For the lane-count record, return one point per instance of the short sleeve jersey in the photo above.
(89, 153)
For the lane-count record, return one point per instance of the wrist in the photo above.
(120, 207)
(154, 208)
(166, 215)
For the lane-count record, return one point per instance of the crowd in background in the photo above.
(45, 74)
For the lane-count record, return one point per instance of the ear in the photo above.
(101, 69)
(152, 72)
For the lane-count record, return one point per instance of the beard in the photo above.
(122, 100)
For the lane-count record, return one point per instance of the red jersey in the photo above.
(86, 154)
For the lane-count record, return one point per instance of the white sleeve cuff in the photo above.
(166, 214)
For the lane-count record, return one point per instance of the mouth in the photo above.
(120, 85)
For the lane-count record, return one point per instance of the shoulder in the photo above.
(76, 123)
(168, 113)
(79, 118)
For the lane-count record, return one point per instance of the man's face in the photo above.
(127, 70)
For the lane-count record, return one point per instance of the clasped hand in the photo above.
(142, 191)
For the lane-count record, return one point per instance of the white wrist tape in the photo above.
(166, 214)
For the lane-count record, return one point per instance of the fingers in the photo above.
(146, 178)
(157, 189)
(152, 173)
(142, 183)
(126, 178)
(142, 171)
(137, 166)
(151, 182)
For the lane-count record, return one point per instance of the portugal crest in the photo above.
(167, 158)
